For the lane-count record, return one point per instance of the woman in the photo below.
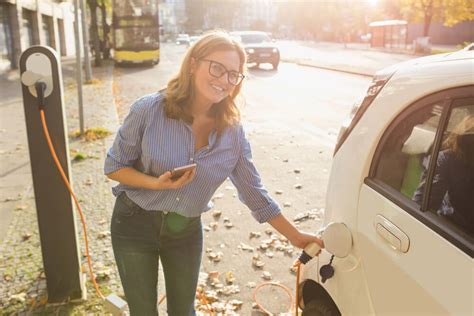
(195, 120)
(452, 189)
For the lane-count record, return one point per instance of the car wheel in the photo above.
(314, 300)
(275, 66)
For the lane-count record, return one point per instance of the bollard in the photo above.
(54, 206)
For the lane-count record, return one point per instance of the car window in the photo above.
(407, 151)
(424, 163)
(451, 192)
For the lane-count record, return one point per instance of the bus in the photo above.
(136, 31)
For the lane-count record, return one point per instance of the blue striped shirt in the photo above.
(152, 143)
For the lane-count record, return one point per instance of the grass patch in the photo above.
(92, 134)
(79, 157)
(441, 51)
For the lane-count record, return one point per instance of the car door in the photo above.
(418, 261)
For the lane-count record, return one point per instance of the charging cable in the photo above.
(40, 88)
(309, 252)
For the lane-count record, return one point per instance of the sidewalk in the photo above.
(355, 58)
(23, 286)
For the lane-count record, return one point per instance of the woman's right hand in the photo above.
(164, 182)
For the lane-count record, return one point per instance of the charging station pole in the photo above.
(54, 205)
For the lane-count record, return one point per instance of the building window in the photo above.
(5, 37)
(47, 30)
(27, 26)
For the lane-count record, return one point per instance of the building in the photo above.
(172, 16)
(256, 13)
(24, 23)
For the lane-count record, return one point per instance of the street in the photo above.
(292, 117)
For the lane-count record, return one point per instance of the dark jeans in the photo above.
(140, 239)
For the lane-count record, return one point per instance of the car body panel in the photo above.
(386, 281)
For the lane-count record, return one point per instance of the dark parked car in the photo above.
(259, 47)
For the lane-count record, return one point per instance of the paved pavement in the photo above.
(356, 58)
(22, 286)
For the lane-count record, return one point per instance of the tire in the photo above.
(275, 65)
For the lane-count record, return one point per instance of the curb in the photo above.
(352, 72)
(331, 68)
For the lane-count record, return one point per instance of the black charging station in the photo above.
(54, 205)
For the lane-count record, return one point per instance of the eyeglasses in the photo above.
(217, 70)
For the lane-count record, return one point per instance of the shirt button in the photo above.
(177, 199)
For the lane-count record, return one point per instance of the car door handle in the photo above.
(397, 239)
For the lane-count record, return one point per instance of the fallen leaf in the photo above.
(266, 275)
(26, 236)
(245, 247)
(18, 298)
(216, 214)
(255, 235)
(229, 278)
(21, 207)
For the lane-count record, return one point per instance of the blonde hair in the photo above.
(180, 89)
(454, 141)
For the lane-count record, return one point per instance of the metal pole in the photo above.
(85, 36)
(79, 66)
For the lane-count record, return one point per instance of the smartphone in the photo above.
(176, 173)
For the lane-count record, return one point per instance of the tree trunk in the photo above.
(95, 32)
(428, 17)
(105, 32)
(427, 22)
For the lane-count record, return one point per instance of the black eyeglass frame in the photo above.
(241, 76)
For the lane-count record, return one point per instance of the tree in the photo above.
(450, 12)
(105, 9)
(94, 31)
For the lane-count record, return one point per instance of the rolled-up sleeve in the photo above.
(246, 179)
(126, 148)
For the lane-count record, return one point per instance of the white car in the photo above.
(183, 39)
(411, 216)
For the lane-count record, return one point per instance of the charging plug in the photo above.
(309, 252)
(40, 88)
(115, 305)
